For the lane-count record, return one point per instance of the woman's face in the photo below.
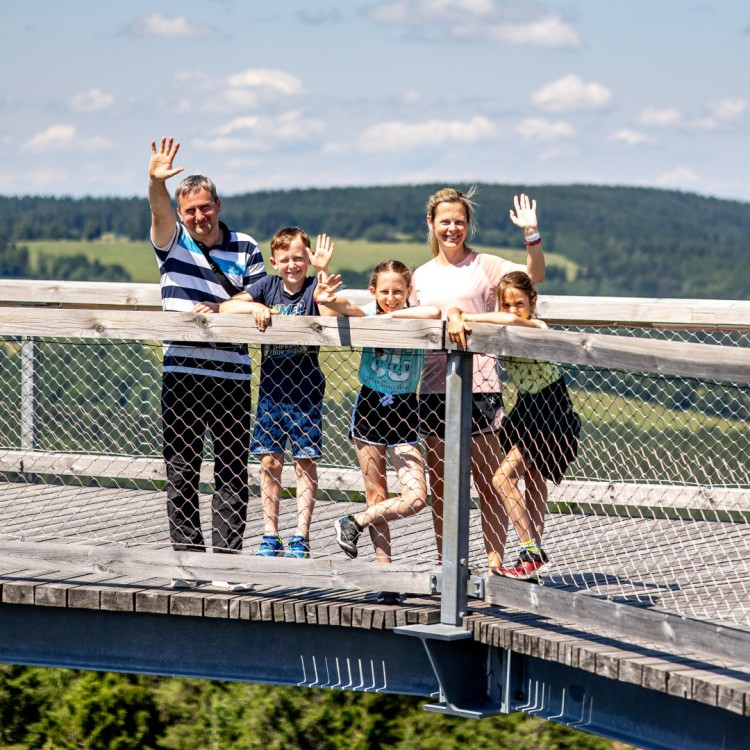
(450, 226)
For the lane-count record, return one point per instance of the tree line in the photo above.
(626, 241)
(67, 709)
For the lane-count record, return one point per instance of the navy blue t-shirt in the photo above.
(289, 372)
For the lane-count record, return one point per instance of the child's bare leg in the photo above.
(271, 465)
(435, 456)
(536, 500)
(505, 483)
(380, 534)
(307, 491)
(372, 463)
(407, 461)
(485, 454)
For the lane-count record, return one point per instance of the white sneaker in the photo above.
(183, 583)
(234, 587)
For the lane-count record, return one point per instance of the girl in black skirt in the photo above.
(539, 436)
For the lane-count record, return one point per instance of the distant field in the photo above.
(138, 258)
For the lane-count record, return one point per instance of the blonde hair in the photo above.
(284, 237)
(450, 195)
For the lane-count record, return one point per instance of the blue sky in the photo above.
(267, 95)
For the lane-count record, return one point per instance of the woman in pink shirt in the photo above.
(459, 277)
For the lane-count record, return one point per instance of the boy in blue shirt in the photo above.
(290, 398)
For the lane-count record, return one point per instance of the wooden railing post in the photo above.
(456, 497)
(29, 393)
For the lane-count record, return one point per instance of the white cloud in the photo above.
(264, 78)
(727, 109)
(679, 177)
(247, 90)
(660, 117)
(571, 94)
(66, 138)
(541, 130)
(721, 112)
(168, 27)
(239, 123)
(405, 136)
(479, 20)
(411, 12)
(92, 101)
(631, 137)
(551, 31)
(52, 138)
(257, 133)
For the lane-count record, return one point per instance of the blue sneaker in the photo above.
(298, 547)
(270, 546)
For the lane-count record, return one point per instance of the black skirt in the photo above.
(545, 428)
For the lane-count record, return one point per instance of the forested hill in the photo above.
(625, 241)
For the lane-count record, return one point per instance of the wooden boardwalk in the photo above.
(608, 556)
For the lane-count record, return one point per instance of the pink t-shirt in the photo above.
(472, 286)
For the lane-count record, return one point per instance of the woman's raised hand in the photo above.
(524, 216)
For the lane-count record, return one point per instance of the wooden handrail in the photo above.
(634, 354)
(601, 311)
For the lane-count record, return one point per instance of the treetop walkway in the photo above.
(639, 631)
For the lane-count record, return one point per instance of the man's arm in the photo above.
(160, 169)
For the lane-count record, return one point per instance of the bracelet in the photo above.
(533, 239)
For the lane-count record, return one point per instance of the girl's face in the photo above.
(450, 225)
(390, 291)
(516, 302)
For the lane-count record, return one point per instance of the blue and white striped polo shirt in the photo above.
(186, 279)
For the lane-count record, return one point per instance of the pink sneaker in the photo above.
(527, 567)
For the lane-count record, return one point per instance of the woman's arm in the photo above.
(524, 217)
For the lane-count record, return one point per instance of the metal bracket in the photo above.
(474, 585)
(470, 684)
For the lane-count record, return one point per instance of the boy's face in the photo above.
(291, 263)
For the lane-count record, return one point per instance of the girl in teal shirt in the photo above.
(386, 413)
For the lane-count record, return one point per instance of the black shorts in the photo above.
(385, 419)
(545, 429)
(486, 413)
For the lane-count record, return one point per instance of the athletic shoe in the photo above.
(527, 567)
(233, 587)
(347, 534)
(298, 547)
(183, 583)
(270, 546)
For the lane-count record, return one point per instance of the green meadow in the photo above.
(357, 255)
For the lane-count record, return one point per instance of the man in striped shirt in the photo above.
(205, 387)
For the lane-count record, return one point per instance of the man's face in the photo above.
(292, 264)
(200, 215)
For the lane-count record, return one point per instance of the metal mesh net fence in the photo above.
(654, 509)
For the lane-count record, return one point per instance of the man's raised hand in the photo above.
(160, 166)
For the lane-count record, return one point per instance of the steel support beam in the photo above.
(456, 497)
(220, 649)
(461, 676)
